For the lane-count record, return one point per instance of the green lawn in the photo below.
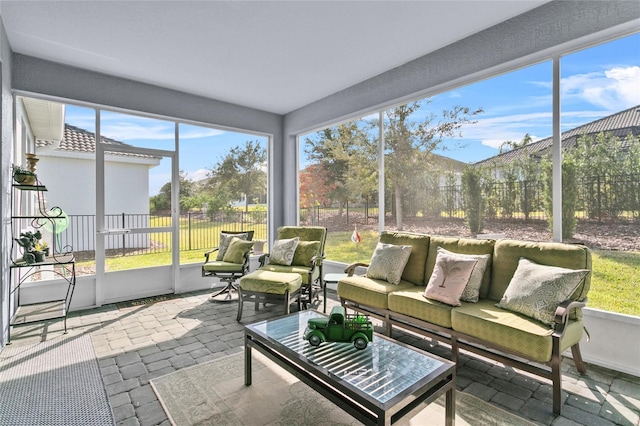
(615, 282)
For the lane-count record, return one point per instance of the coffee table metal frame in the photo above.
(326, 370)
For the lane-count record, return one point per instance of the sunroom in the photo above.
(135, 161)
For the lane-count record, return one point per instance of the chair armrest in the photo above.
(317, 260)
(263, 259)
(562, 314)
(208, 253)
(351, 269)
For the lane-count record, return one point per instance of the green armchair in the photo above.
(307, 260)
(228, 265)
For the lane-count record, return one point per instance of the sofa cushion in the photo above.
(462, 246)
(388, 262)
(305, 252)
(507, 254)
(369, 291)
(302, 270)
(450, 276)
(537, 290)
(411, 302)
(515, 332)
(222, 266)
(471, 292)
(414, 270)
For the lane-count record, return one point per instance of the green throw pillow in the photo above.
(450, 276)
(388, 262)
(225, 239)
(537, 290)
(471, 292)
(236, 251)
(304, 252)
(283, 250)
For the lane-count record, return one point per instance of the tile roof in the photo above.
(76, 139)
(619, 124)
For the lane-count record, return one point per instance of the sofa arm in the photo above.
(351, 269)
(562, 314)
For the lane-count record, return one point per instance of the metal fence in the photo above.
(610, 198)
(197, 231)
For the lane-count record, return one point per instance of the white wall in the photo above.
(6, 152)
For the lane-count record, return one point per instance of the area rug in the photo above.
(56, 382)
(214, 393)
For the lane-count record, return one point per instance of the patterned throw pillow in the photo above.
(449, 278)
(471, 292)
(388, 262)
(225, 240)
(283, 250)
(537, 290)
(304, 252)
(236, 251)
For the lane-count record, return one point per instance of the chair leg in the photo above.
(577, 359)
(556, 376)
(240, 303)
(287, 303)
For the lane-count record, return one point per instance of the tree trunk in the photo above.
(398, 201)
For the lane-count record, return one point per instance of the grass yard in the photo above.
(615, 282)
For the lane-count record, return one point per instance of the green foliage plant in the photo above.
(472, 199)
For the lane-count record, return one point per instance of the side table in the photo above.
(330, 279)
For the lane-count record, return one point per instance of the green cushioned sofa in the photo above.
(482, 327)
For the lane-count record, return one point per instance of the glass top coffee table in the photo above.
(378, 385)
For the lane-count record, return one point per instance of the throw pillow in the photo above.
(304, 252)
(449, 278)
(283, 250)
(237, 250)
(388, 262)
(225, 240)
(536, 290)
(471, 292)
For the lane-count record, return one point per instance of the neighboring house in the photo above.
(67, 168)
(620, 124)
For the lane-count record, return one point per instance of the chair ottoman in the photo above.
(269, 287)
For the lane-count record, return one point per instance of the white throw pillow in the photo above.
(282, 251)
(471, 292)
(449, 278)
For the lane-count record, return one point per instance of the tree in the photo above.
(409, 144)
(315, 186)
(162, 201)
(345, 157)
(242, 171)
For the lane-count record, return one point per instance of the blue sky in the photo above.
(596, 82)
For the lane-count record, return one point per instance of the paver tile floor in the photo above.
(136, 343)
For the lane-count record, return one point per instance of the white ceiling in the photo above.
(275, 56)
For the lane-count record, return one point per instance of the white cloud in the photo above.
(494, 131)
(197, 175)
(614, 89)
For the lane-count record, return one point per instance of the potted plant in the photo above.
(28, 241)
(23, 176)
(43, 247)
